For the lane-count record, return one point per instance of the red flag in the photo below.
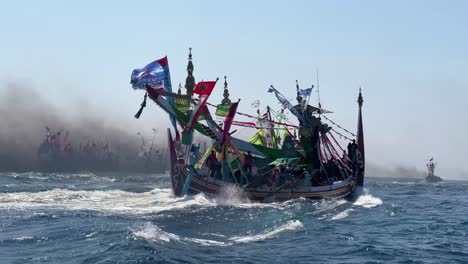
(204, 88)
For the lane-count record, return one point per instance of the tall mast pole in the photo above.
(318, 90)
(360, 142)
(270, 127)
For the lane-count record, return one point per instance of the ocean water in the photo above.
(121, 218)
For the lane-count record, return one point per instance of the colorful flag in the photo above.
(228, 121)
(267, 125)
(258, 138)
(222, 109)
(182, 103)
(155, 75)
(204, 89)
(306, 92)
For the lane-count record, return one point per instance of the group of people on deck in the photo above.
(313, 178)
(215, 166)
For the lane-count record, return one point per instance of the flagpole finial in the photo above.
(360, 100)
(226, 100)
(190, 80)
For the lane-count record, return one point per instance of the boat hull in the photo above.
(433, 179)
(213, 187)
(210, 186)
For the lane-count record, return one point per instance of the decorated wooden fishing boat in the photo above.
(283, 159)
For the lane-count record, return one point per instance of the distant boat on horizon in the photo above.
(431, 177)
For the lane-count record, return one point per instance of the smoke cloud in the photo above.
(24, 114)
(374, 170)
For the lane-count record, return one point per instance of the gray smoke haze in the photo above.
(374, 170)
(24, 114)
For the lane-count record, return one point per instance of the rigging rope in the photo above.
(336, 154)
(256, 117)
(341, 135)
(344, 129)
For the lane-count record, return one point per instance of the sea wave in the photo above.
(342, 215)
(273, 232)
(58, 176)
(110, 200)
(120, 201)
(368, 201)
(22, 238)
(154, 233)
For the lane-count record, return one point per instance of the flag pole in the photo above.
(318, 92)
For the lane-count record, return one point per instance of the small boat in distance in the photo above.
(431, 177)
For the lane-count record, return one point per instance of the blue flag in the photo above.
(306, 92)
(155, 75)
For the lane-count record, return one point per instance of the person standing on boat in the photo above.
(213, 164)
(349, 147)
(248, 163)
(352, 148)
(354, 151)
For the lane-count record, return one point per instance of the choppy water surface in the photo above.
(115, 218)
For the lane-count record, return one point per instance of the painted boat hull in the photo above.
(213, 187)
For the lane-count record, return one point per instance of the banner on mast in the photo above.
(155, 75)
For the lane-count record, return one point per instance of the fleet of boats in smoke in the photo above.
(58, 153)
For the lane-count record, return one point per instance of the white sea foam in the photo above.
(340, 209)
(234, 196)
(289, 226)
(22, 238)
(110, 201)
(342, 215)
(120, 201)
(90, 234)
(368, 201)
(154, 233)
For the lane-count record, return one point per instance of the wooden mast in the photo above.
(360, 143)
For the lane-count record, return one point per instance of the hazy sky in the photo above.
(410, 57)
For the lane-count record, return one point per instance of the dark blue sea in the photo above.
(122, 218)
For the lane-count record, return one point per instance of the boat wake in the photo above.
(118, 201)
(153, 233)
(341, 209)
